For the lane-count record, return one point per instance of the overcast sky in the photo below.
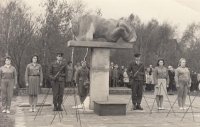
(176, 12)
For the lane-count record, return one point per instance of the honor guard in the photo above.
(57, 75)
(136, 74)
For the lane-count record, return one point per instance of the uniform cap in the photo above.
(137, 55)
(60, 53)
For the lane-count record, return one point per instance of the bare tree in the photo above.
(190, 44)
(16, 31)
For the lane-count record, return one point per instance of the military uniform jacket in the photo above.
(133, 68)
(82, 74)
(55, 68)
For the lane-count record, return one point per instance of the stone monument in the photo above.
(87, 29)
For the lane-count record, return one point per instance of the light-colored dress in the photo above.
(161, 79)
(126, 78)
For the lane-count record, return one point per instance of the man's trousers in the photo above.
(58, 91)
(137, 91)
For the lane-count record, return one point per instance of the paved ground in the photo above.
(8, 120)
(23, 118)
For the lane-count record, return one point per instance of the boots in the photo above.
(59, 107)
(55, 107)
(134, 107)
(170, 92)
(139, 107)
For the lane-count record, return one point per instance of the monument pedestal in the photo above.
(99, 68)
(99, 75)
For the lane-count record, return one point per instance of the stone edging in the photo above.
(19, 115)
(112, 91)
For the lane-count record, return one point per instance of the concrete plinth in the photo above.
(99, 75)
(99, 67)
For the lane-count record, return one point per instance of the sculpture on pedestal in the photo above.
(90, 27)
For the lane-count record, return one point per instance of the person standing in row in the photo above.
(183, 82)
(150, 81)
(82, 78)
(194, 82)
(137, 79)
(121, 72)
(111, 74)
(172, 86)
(58, 83)
(69, 71)
(145, 87)
(33, 79)
(115, 76)
(161, 79)
(126, 78)
(76, 68)
(8, 80)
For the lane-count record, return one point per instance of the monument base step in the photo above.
(109, 108)
(70, 91)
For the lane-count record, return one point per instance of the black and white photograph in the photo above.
(99, 63)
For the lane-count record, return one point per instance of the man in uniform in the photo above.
(136, 74)
(58, 82)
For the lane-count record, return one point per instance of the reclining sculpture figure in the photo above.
(90, 27)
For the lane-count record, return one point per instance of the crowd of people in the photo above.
(61, 75)
(118, 77)
(182, 79)
(159, 79)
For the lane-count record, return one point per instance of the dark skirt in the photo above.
(82, 91)
(34, 85)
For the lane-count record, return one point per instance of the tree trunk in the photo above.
(18, 77)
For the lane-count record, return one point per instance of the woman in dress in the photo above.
(125, 78)
(8, 80)
(82, 80)
(183, 82)
(161, 79)
(115, 76)
(33, 79)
